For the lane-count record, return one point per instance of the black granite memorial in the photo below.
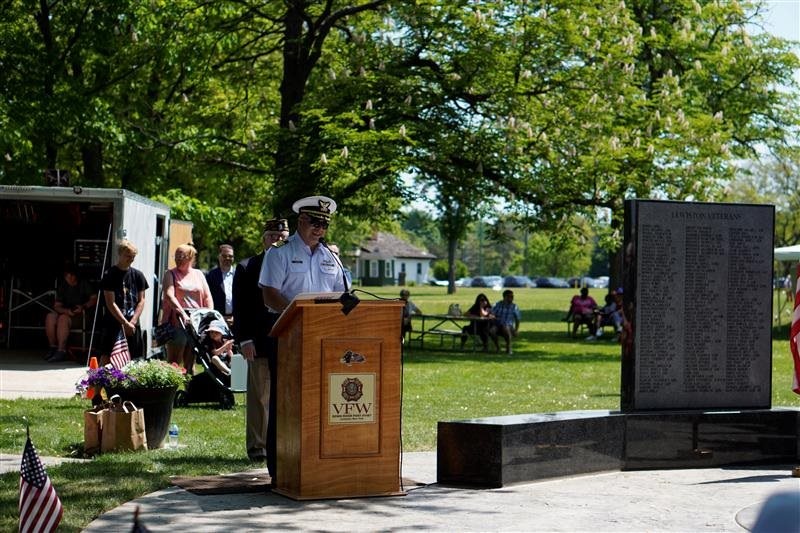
(698, 304)
(496, 451)
(696, 363)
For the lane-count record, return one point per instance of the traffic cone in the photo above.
(92, 365)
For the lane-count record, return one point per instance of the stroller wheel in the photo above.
(226, 400)
(180, 399)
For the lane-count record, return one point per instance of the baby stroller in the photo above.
(213, 384)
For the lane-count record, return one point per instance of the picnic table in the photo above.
(437, 329)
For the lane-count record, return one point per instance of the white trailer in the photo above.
(42, 227)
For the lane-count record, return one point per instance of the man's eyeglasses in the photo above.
(317, 223)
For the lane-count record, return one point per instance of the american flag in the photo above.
(119, 353)
(39, 507)
(794, 334)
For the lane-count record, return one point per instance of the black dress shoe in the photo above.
(58, 357)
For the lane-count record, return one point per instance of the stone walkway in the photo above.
(25, 374)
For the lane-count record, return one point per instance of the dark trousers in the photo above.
(481, 329)
(272, 423)
(135, 342)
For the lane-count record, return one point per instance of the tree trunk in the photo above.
(615, 274)
(616, 256)
(92, 156)
(46, 127)
(451, 265)
(292, 178)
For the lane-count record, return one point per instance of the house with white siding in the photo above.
(386, 259)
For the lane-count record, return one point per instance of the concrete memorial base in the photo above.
(496, 451)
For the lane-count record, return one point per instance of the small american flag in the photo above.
(40, 509)
(119, 353)
(794, 334)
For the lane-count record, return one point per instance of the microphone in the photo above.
(348, 300)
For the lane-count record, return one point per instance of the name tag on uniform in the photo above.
(298, 264)
(328, 267)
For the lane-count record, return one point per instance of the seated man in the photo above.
(581, 311)
(507, 318)
(409, 309)
(608, 315)
(73, 297)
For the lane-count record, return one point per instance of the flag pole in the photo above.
(794, 339)
(99, 294)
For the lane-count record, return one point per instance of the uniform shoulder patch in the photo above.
(278, 244)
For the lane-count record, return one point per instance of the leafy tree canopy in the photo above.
(548, 109)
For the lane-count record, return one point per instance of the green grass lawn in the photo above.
(548, 371)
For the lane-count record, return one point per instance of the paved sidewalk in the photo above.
(712, 499)
(25, 374)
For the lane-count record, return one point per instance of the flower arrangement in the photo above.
(153, 373)
(150, 373)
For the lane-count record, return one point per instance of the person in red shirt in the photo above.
(581, 311)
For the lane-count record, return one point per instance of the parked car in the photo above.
(491, 282)
(438, 282)
(464, 282)
(552, 283)
(593, 283)
(576, 281)
(518, 281)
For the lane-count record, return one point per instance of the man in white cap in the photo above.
(302, 263)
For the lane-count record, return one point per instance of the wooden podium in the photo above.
(338, 427)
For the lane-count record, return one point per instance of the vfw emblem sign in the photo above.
(351, 398)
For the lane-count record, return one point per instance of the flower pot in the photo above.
(157, 405)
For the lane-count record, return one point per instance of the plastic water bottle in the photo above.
(173, 436)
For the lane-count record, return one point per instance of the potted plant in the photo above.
(150, 384)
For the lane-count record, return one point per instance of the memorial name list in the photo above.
(703, 306)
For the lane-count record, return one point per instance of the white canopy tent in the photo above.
(788, 253)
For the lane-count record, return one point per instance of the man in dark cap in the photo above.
(251, 325)
(302, 263)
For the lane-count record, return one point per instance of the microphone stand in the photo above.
(348, 300)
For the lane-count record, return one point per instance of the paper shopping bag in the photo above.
(123, 428)
(93, 429)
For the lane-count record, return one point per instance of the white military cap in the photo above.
(315, 206)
